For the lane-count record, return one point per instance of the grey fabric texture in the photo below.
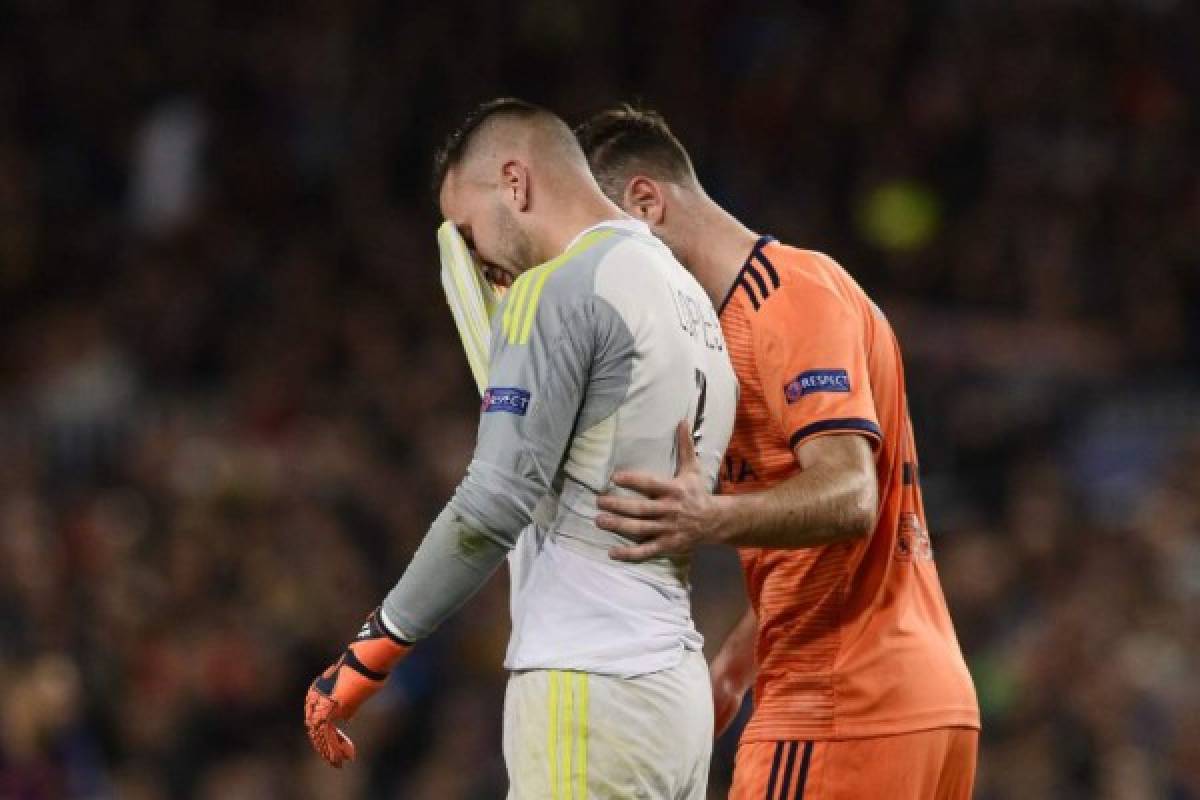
(452, 563)
(575, 367)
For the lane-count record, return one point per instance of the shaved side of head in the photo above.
(515, 182)
(503, 128)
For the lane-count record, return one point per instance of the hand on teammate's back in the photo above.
(671, 517)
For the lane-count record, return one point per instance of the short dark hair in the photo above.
(626, 138)
(455, 147)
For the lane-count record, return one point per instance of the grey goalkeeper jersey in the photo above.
(595, 358)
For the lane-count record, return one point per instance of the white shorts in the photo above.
(581, 736)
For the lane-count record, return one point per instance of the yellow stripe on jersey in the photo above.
(517, 321)
(512, 311)
(531, 309)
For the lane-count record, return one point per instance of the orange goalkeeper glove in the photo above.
(336, 695)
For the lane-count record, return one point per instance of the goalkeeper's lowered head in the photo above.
(515, 183)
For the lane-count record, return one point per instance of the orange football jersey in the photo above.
(854, 639)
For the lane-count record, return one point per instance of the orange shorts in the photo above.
(937, 764)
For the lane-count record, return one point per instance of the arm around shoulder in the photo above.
(833, 498)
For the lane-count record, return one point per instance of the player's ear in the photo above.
(644, 200)
(514, 182)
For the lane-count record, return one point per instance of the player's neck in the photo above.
(575, 217)
(720, 245)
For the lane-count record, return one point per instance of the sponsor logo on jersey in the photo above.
(508, 399)
(737, 470)
(816, 380)
(912, 540)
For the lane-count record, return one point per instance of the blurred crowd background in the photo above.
(231, 397)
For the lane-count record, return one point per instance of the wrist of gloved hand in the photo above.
(337, 693)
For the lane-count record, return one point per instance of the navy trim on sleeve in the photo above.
(848, 424)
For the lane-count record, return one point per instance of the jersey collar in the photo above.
(755, 252)
(629, 225)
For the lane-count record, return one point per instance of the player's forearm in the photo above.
(454, 560)
(465, 544)
(734, 662)
(818, 506)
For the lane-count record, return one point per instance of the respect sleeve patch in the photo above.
(508, 399)
(816, 380)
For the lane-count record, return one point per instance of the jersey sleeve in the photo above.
(555, 364)
(542, 349)
(811, 357)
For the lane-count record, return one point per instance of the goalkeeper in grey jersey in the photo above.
(602, 344)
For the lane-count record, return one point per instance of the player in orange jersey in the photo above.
(860, 689)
